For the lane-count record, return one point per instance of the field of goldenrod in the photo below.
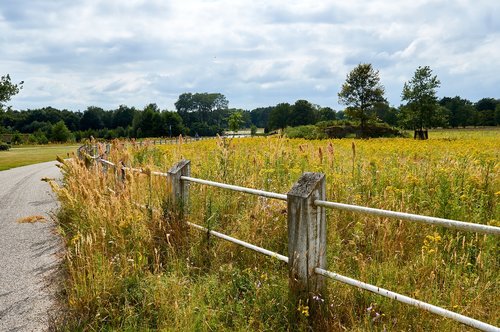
(135, 268)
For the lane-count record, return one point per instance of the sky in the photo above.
(72, 54)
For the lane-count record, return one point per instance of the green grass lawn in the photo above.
(27, 155)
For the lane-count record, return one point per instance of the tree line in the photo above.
(208, 114)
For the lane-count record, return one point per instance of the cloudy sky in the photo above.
(76, 53)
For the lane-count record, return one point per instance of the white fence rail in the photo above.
(309, 187)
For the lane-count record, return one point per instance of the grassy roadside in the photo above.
(29, 154)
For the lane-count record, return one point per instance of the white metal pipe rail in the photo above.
(453, 224)
(257, 192)
(408, 300)
(241, 243)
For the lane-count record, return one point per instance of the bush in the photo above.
(307, 132)
(16, 139)
(253, 130)
(4, 146)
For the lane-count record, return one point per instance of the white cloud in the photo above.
(258, 53)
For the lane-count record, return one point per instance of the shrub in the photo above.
(4, 146)
(307, 132)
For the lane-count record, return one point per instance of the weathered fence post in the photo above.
(179, 188)
(123, 177)
(307, 243)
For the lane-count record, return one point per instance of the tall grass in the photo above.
(135, 268)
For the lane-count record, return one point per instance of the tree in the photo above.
(148, 122)
(60, 133)
(301, 113)
(386, 113)
(361, 91)
(235, 121)
(7, 89)
(172, 124)
(260, 116)
(485, 108)
(326, 114)
(92, 118)
(278, 118)
(461, 111)
(123, 116)
(205, 113)
(421, 101)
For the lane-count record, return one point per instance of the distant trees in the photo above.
(260, 116)
(461, 111)
(421, 101)
(152, 122)
(123, 116)
(205, 113)
(278, 118)
(92, 118)
(326, 114)
(301, 113)
(486, 111)
(361, 92)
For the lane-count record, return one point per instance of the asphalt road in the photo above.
(29, 252)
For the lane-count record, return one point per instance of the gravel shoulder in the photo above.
(29, 252)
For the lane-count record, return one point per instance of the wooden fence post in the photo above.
(307, 243)
(179, 189)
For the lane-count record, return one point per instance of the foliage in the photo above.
(235, 121)
(260, 116)
(361, 92)
(342, 129)
(461, 111)
(203, 108)
(307, 132)
(4, 146)
(127, 270)
(421, 101)
(253, 130)
(152, 122)
(92, 118)
(326, 114)
(301, 113)
(8, 89)
(278, 118)
(60, 133)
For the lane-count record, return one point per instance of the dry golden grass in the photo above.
(31, 219)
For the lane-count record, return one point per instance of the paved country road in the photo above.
(28, 251)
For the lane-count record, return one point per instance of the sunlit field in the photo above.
(135, 268)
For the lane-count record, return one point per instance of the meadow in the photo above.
(135, 268)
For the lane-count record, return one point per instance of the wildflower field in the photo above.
(134, 268)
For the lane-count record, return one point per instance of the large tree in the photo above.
(361, 92)
(421, 101)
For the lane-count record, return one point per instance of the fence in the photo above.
(306, 259)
